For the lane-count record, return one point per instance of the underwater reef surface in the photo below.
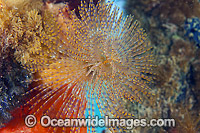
(177, 84)
(26, 28)
(12, 76)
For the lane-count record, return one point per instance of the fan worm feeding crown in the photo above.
(101, 57)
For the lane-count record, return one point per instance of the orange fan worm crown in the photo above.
(102, 57)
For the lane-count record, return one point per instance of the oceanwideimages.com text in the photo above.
(46, 121)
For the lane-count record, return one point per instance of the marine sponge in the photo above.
(101, 57)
